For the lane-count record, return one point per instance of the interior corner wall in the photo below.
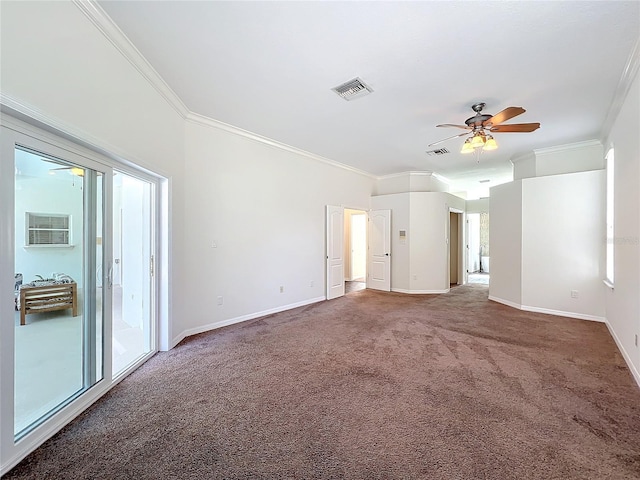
(623, 302)
(391, 184)
(420, 264)
(562, 231)
(505, 238)
(577, 157)
(57, 63)
(480, 205)
(255, 222)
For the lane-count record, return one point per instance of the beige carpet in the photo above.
(370, 385)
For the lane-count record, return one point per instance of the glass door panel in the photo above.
(58, 325)
(132, 333)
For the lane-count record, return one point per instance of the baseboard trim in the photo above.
(240, 319)
(625, 355)
(560, 313)
(548, 311)
(420, 292)
(508, 303)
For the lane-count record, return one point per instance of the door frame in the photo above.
(52, 141)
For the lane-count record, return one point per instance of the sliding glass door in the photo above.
(57, 322)
(77, 289)
(132, 270)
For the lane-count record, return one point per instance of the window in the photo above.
(44, 229)
(609, 217)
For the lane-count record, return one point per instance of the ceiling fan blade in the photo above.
(448, 138)
(516, 127)
(503, 116)
(452, 125)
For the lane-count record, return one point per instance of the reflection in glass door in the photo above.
(132, 271)
(58, 327)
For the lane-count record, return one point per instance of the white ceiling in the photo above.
(268, 67)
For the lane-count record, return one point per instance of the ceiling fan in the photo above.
(480, 126)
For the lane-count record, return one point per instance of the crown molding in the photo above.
(202, 120)
(121, 42)
(568, 146)
(624, 85)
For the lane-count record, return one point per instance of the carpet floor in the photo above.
(370, 385)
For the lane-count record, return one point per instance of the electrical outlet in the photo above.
(311, 283)
(220, 301)
(281, 289)
(415, 277)
(574, 293)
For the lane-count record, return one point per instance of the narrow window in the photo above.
(610, 212)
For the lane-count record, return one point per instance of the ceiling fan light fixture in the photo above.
(490, 144)
(467, 147)
(477, 140)
(77, 171)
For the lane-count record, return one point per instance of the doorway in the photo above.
(355, 250)
(456, 239)
(478, 254)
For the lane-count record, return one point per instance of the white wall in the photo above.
(505, 238)
(570, 158)
(562, 231)
(57, 66)
(263, 207)
(410, 182)
(623, 302)
(576, 157)
(480, 205)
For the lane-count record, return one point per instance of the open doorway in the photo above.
(478, 260)
(355, 249)
(456, 258)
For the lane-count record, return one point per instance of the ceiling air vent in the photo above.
(437, 151)
(355, 88)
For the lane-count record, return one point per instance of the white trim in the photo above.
(121, 42)
(567, 146)
(560, 313)
(508, 303)
(548, 311)
(203, 120)
(420, 292)
(242, 318)
(624, 85)
(625, 355)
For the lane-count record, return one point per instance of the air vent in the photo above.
(355, 88)
(437, 151)
(484, 181)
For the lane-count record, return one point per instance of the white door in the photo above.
(335, 252)
(379, 271)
